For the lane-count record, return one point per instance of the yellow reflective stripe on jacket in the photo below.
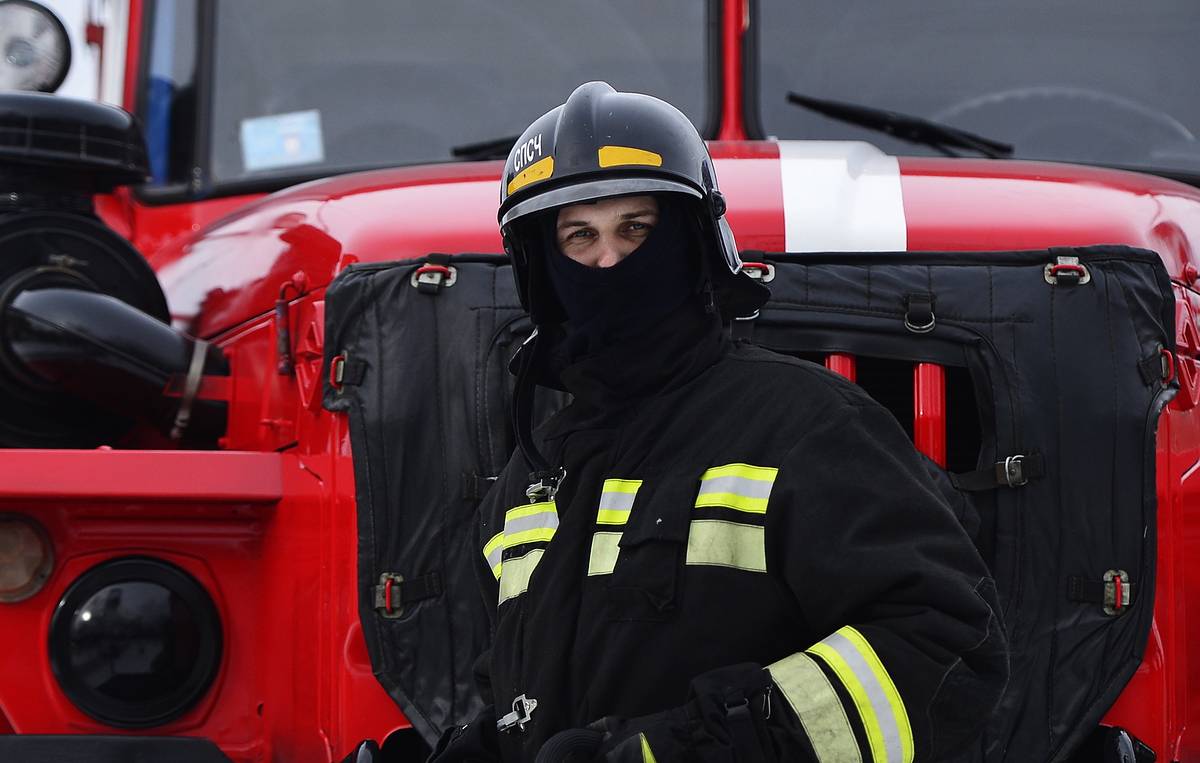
(616, 501)
(492, 551)
(605, 550)
(727, 544)
(514, 578)
(883, 714)
(530, 523)
(647, 754)
(741, 487)
(813, 699)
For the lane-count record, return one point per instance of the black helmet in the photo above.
(603, 143)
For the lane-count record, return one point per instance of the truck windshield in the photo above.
(1095, 81)
(308, 89)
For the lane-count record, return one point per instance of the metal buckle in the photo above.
(922, 329)
(1068, 270)
(1010, 471)
(522, 713)
(763, 272)
(384, 596)
(436, 276)
(337, 371)
(1166, 364)
(545, 487)
(1118, 592)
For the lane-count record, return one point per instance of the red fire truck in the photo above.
(214, 546)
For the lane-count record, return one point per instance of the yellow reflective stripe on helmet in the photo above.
(539, 170)
(616, 501)
(727, 544)
(816, 704)
(883, 714)
(614, 156)
(492, 551)
(514, 578)
(741, 487)
(606, 547)
(647, 754)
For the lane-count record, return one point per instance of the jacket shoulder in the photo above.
(772, 373)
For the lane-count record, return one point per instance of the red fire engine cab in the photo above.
(214, 547)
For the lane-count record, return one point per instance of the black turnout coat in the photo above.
(727, 506)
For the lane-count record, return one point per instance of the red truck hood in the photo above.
(783, 196)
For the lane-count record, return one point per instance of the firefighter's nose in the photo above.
(612, 251)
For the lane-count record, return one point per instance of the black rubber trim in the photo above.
(87, 748)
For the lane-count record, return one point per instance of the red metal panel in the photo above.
(929, 411)
(843, 365)
(141, 475)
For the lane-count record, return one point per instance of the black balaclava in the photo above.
(607, 306)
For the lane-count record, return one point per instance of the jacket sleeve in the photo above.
(915, 657)
(476, 740)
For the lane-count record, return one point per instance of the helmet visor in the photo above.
(579, 193)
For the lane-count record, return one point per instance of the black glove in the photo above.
(473, 743)
(724, 720)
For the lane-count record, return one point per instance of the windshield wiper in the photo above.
(497, 148)
(905, 127)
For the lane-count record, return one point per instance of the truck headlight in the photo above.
(35, 51)
(26, 557)
(135, 642)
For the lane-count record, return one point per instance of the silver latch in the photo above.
(1010, 471)
(522, 713)
(1067, 270)
(544, 485)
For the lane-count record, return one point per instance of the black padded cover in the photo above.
(1069, 371)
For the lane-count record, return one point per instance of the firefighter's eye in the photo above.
(579, 234)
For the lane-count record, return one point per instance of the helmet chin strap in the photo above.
(543, 479)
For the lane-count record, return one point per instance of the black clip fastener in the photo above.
(918, 313)
(1013, 472)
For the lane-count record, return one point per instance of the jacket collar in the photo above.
(612, 381)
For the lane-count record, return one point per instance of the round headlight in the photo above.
(35, 51)
(26, 557)
(135, 642)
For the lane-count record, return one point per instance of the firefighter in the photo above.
(714, 553)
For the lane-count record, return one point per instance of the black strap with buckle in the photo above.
(394, 593)
(918, 313)
(1013, 471)
(1113, 593)
(344, 370)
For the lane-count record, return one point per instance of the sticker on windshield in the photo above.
(282, 140)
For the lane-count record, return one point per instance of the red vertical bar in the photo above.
(133, 50)
(929, 411)
(734, 23)
(843, 365)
